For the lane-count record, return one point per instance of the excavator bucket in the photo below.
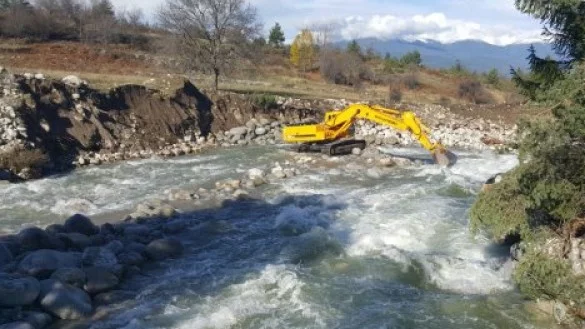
(444, 158)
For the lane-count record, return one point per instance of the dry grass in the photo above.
(21, 158)
(109, 67)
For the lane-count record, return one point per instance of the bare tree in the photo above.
(213, 33)
(324, 33)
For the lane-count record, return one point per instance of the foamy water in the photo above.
(332, 248)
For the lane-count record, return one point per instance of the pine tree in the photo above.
(354, 48)
(493, 77)
(276, 37)
(9, 4)
(544, 72)
(103, 8)
(412, 58)
(564, 23)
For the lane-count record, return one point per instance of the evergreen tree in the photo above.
(564, 23)
(103, 8)
(10, 4)
(354, 48)
(276, 37)
(412, 58)
(493, 77)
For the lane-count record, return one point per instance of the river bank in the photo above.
(50, 126)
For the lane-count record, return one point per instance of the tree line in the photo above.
(92, 21)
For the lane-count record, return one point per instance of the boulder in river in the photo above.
(113, 297)
(80, 224)
(18, 291)
(34, 238)
(115, 247)
(44, 262)
(99, 280)
(98, 256)
(64, 301)
(17, 325)
(37, 320)
(73, 276)
(76, 241)
(131, 258)
(164, 248)
(5, 255)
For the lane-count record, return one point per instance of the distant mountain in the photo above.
(475, 55)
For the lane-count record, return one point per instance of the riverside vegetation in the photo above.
(540, 205)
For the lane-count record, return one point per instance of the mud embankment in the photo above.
(67, 119)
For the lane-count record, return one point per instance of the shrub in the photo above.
(541, 276)
(493, 77)
(501, 210)
(444, 101)
(473, 91)
(411, 81)
(265, 101)
(395, 95)
(342, 68)
(22, 158)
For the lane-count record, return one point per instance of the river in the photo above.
(331, 248)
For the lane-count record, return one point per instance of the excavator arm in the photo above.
(337, 126)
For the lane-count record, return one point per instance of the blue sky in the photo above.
(493, 21)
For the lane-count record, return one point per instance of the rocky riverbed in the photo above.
(254, 237)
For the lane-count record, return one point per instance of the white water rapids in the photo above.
(331, 248)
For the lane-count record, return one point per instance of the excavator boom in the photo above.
(331, 135)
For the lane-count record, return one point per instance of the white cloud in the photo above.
(493, 21)
(435, 26)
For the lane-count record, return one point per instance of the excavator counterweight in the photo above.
(333, 136)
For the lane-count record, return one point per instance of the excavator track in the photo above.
(342, 147)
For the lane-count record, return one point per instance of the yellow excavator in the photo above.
(333, 136)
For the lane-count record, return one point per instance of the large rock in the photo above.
(164, 248)
(113, 297)
(5, 255)
(55, 229)
(80, 224)
(44, 262)
(96, 256)
(238, 131)
(135, 246)
(37, 320)
(75, 240)
(115, 247)
(131, 258)
(72, 276)
(256, 173)
(34, 238)
(260, 131)
(136, 230)
(73, 81)
(18, 291)
(64, 301)
(17, 325)
(99, 280)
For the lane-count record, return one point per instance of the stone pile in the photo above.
(69, 271)
(451, 130)
(13, 131)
